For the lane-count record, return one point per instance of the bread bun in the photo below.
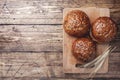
(76, 23)
(103, 29)
(83, 49)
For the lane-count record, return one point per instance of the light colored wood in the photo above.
(31, 38)
(69, 61)
(46, 65)
(35, 38)
(48, 12)
(31, 64)
(44, 12)
(27, 38)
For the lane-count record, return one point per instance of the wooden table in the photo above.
(31, 39)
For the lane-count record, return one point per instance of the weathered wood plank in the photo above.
(35, 78)
(26, 65)
(32, 64)
(31, 38)
(44, 78)
(46, 65)
(116, 43)
(48, 12)
(35, 38)
(115, 15)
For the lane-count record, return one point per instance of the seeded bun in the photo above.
(76, 23)
(84, 49)
(103, 29)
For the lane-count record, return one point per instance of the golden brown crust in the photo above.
(84, 49)
(76, 23)
(104, 29)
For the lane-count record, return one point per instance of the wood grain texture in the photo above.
(40, 58)
(31, 38)
(48, 12)
(18, 56)
(46, 65)
(37, 78)
(35, 38)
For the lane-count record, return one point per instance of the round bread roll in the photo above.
(83, 49)
(76, 23)
(104, 29)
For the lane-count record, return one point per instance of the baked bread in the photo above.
(83, 49)
(103, 29)
(76, 23)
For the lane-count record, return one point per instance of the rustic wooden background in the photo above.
(31, 39)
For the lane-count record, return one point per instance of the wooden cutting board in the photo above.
(69, 62)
